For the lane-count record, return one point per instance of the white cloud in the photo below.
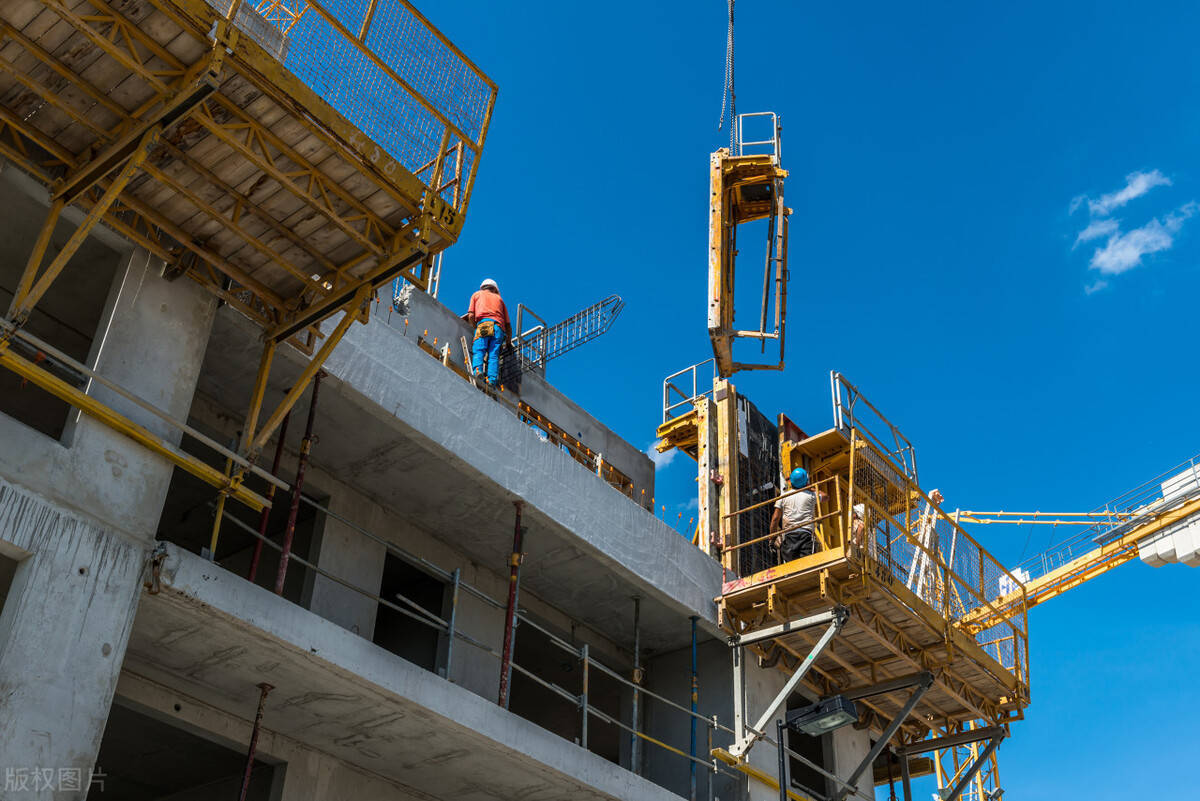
(692, 505)
(1136, 185)
(1097, 229)
(1095, 286)
(1124, 251)
(661, 460)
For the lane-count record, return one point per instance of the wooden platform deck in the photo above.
(891, 633)
(270, 193)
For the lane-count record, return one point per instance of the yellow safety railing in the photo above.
(927, 555)
(385, 68)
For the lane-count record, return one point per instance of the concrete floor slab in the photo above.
(400, 427)
(214, 636)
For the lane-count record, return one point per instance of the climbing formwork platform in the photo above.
(281, 170)
(289, 157)
(885, 611)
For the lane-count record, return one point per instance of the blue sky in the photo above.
(946, 161)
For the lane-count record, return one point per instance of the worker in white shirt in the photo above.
(792, 521)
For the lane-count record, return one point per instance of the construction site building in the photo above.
(435, 592)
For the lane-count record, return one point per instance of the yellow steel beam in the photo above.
(398, 263)
(256, 397)
(352, 310)
(123, 425)
(230, 223)
(23, 303)
(1087, 567)
(173, 109)
(120, 31)
(308, 184)
(761, 776)
(34, 263)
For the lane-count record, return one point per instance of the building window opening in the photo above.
(187, 521)
(535, 652)
(67, 316)
(143, 758)
(816, 749)
(410, 639)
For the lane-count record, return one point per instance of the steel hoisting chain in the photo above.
(728, 96)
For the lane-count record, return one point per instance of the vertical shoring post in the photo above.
(262, 702)
(783, 762)
(905, 779)
(297, 487)
(583, 697)
(634, 740)
(219, 516)
(265, 517)
(712, 771)
(695, 703)
(739, 693)
(456, 577)
(510, 621)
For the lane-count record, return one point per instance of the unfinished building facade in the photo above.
(380, 582)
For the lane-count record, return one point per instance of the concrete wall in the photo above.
(419, 313)
(347, 553)
(669, 675)
(80, 514)
(151, 342)
(302, 773)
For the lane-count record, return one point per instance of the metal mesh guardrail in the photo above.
(392, 74)
(909, 537)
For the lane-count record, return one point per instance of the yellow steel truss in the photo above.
(309, 226)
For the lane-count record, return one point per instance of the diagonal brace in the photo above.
(923, 682)
(173, 110)
(838, 616)
(23, 303)
(123, 425)
(352, 310)
(970, 772)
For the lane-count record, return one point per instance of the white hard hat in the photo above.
(489, 282)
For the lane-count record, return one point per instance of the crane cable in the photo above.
(728, 97)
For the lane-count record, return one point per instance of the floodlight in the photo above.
(823, 716)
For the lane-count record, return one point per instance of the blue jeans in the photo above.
(488, 346)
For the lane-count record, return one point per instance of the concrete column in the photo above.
(80, 515)
(151, 341)
(850, 745)
(347, 554)
(63, 633)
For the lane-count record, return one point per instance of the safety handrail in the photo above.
(685, 399)
(412, 610)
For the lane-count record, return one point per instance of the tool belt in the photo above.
(486, 328)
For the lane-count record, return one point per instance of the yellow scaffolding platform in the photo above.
(289, 159)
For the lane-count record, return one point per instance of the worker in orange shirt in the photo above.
(489, 316)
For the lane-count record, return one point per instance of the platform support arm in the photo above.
(923, 682)
(975, 767)
(23, 302)
(263, 436)
(837, 618)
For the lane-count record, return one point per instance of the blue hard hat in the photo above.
(798, 478)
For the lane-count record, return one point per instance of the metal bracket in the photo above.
(836, 618)
(921, 682)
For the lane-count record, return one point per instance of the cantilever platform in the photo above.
(897, 563)
(891, 633)
(289, 164)
(283, 171)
